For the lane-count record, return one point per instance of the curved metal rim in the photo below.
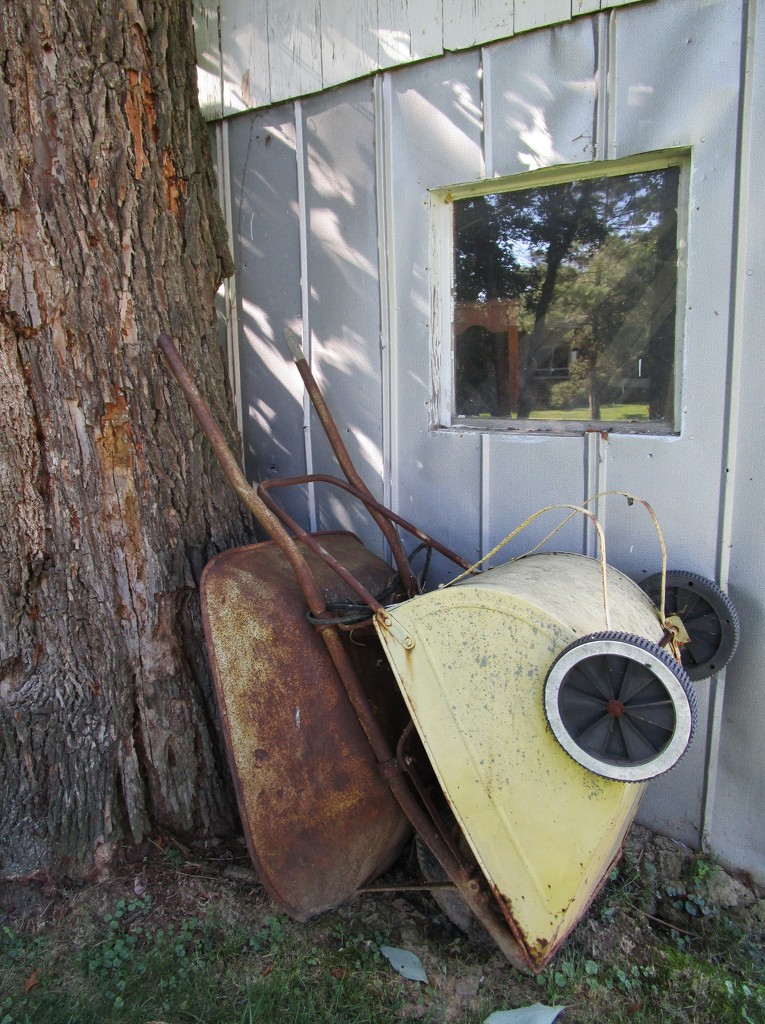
(653, 660)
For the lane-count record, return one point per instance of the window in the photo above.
(565, 302)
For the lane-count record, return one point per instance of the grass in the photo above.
(194, 949)
(623, 412)
(629, 411)
(132, 970)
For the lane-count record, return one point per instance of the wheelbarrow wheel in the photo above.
(708, 615)
(620, 706)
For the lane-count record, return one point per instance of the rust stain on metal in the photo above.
(318, 818)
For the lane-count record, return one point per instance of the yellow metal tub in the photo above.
(487, 671)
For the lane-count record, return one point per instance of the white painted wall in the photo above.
(331, 217)
(734, 820)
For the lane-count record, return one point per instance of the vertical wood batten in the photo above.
(596, 449)
(487, 112)
(594, 483)
(344, 296)
(301, 160)
(226, 300)
(734, 388)
(484, 545)
(605, 75)
(388, 340)
(685, 96)
(436, 140)
(265, 229)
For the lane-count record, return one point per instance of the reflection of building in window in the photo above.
(565, 301)
(487, 357)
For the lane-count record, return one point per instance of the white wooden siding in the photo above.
(209, 72)
(735, 822)
(274, 50)
(294, 49)
(333, 236)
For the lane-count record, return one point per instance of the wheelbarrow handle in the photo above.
(405, 572)
(270, 523)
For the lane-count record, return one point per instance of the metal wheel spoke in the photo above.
(574, 694)
(639, 677)
(655, 718)
(593, 672)
(639, 747)
(597, 735)
(701, 616)
(700, 649)
(689, 605)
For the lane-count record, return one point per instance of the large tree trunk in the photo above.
(110, 501)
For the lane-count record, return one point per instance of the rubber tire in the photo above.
(719, 606)
(672, 678)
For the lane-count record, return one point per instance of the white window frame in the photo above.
(441, 211)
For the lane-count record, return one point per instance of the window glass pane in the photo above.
(565, 301)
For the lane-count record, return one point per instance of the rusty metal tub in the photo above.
(318, 818)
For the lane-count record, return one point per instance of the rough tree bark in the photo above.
(110, 501)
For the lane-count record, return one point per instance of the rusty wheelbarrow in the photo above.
(512, 720)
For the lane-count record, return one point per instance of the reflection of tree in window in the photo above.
(585, 274)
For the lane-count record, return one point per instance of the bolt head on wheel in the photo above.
(620, 706)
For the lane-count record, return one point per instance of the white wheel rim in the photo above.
(675, 747)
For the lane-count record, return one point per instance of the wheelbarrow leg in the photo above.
(473, 894)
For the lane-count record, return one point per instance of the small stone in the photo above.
(751, 917)
(413, 1011)
(467, 987)
(727, 892)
